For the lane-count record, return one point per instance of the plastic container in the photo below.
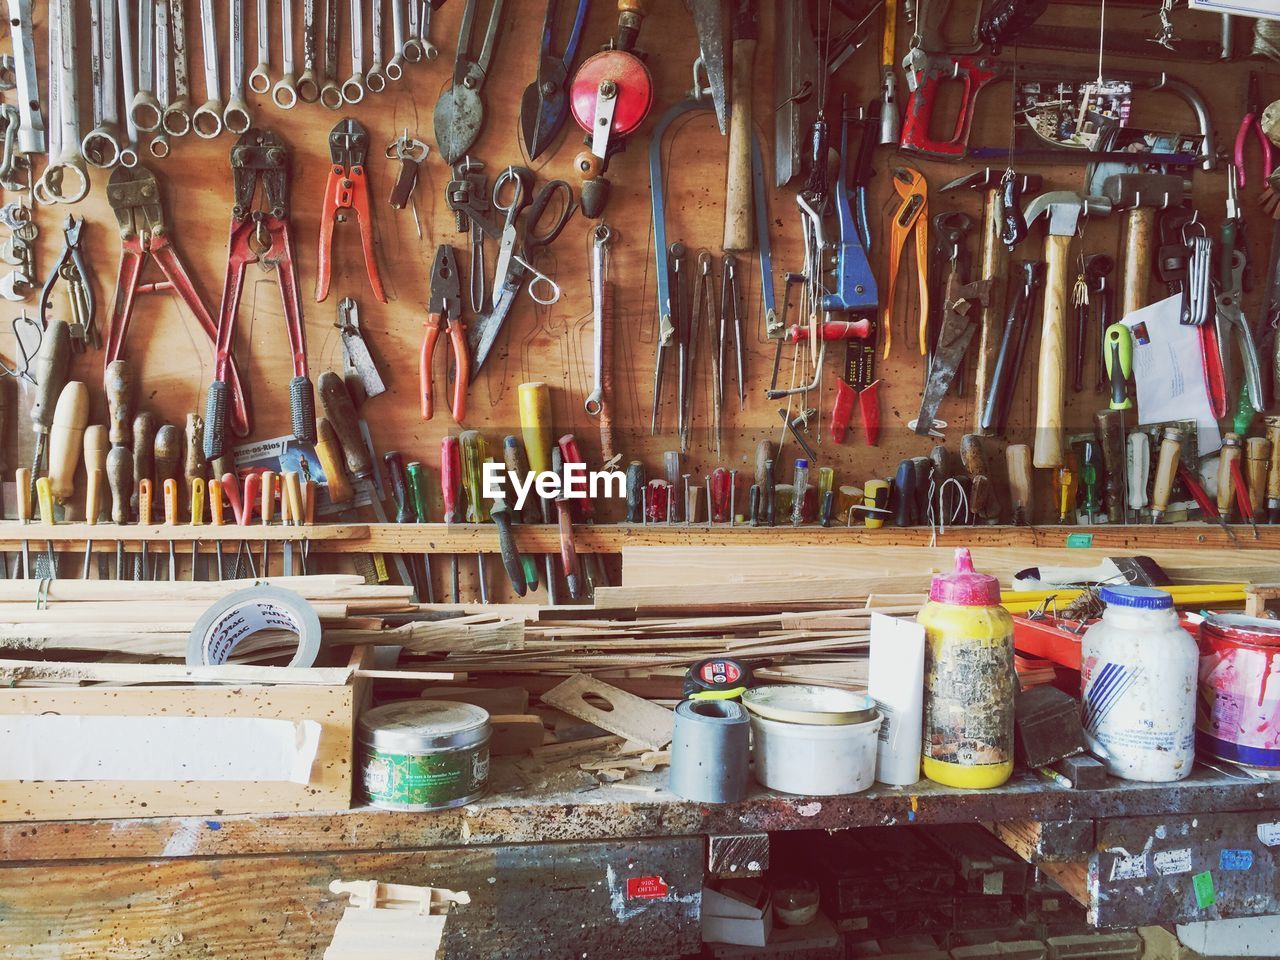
(815, 759)
(969, 680)
(1138, 687)
(1239, 703)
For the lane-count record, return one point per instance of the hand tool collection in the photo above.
(1010, 329)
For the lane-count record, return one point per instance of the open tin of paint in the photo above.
(419, 755)
(1238, 706)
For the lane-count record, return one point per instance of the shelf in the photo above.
(611, 538)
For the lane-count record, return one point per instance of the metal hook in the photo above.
(23, 352)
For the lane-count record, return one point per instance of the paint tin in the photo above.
(1238, 707)
(424, 754)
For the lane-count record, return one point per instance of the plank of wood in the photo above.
(515, 733)
(317, 586)
(618, 711)
(1047, 841)
(1071, 876)
(22, 672)
(494, 699)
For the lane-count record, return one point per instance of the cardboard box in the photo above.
(737, 912)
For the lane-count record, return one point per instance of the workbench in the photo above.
(566, 866)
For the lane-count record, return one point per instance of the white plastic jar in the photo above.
(1138, 686)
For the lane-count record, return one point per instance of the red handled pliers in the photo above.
(347, 189)
(260, 236)
(1252, 121)
(134, 196)
(444, 309)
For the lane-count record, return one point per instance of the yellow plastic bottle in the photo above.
(969, 680)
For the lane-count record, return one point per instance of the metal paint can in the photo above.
(418, 755)
(1238, 706)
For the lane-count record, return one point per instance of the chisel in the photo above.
(500, 513)
(266, 513)
(44, 498)
(92, 502)
(1018, 463)
(1166, 471)
(23, 478)
(120, 481)
(417, 476)
(144, 463)
(48, 369)
(95, 472)
(472, 452)
(534, 400)
(293, 499)
(199, 496)
(513, 458)
(564, 517)
(66, 439)
(217, 517)
(171, 520)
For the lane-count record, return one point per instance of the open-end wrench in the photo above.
(66, 180)
(330, 91)
(207, 120)
(159, 145)
(285, 93)
(375, 80)
(395, 66)
(312, 78)
(412, 50)
(55, 101)
(353, 88)
(594, 404)
(236, 116)
(101, 145)
(145, 109)
(126, 66)
(31, 133)
(177, 114)
(429, 50)
(259, 79)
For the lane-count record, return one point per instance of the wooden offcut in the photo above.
(626, 715)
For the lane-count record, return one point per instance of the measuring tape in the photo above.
(717, 678)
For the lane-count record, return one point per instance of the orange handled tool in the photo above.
(444, 309)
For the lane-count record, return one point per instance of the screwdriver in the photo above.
(591, 565)
(1109, 427)
(719, 507)
(1202, 500)
(635, 492)
(394, 461)
(194, 463)
(904, 494)
(764, 455)
(1139, 464)
(656, 507)
(982, 494)
(167, 452)
(1273, 478)
(450, 487)
(1166, 470)
(171, 520)
(417, 476)
(500, 513)
(23, 478)
(1243, 503)
(1257, 453)
(341, 414)
(672, 464)
(266, 513)
(217, 517)
(92, 502)
(291, 501)
(799, 484)
(1018, 463)
(95, 472)
(568, 549)
(875, 497)
(49, 370)
(120, 481)
(472, 451)
(1226, 488)
(1089, 480)
(1117, 357)
(534, 400)
(513, 457)
(248, 496)
(199, 497)
(1065, 479)
(44, 496)
(144, 520)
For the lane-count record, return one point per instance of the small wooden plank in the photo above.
(515, 733)
(501, 700)
(24, 671)
(624, 714)
(1046, 841)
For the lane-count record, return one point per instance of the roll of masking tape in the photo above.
(240, 615)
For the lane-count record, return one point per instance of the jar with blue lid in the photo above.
(1138, 670)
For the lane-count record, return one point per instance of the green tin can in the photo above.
(424, 754)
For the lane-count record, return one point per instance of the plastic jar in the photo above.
(969, 680)
(1138, 686)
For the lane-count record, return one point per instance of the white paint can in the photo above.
(815, 759)
(1138, 687)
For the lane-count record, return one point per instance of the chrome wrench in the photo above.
(145, 109)
(177, 114)
(353, 88)
(330, 92)
(236, 116)
(207, 120)
(285, 93)
(413, 50)
(66, 180)
(259, 80)
(311, 80)
(31, 132)
(376, 79)
(159, 145)
(599, 250)
(395, 66)
(101, 145)
(429, 49)
(124, 33)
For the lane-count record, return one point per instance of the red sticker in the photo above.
(720, 672)
(646, 888)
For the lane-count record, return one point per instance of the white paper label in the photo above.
(1169, 862)
(1269, 834)
(1126, 867)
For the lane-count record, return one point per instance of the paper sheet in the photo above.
(1168, 369)
(897, 686)
(53, 747)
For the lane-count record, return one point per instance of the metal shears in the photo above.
(1230, 317)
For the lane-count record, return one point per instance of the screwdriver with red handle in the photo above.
(1202, 500)
(592, 567)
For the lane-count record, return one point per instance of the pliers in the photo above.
(347, 189)
(444, 309)
(1230, 316)
(911, 215)
(134, 196)
(72, 269)
(1252, 121)
(260, 236)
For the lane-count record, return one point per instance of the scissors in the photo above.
(519, 241)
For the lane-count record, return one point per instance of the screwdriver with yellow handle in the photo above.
(217, 517)
(44, 497)
(473, 452)
(23, 478)
(145, 505)
(267, 513)
(171, 520)
(534, 400)
(291, 500)
(198, 496)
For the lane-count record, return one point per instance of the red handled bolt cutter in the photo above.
(347, 189)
